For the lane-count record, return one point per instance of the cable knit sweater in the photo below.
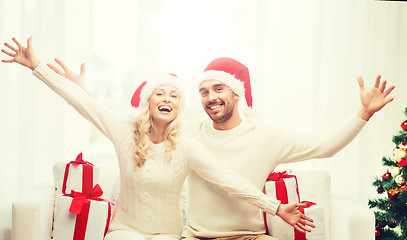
(253, 150)
(149, 198)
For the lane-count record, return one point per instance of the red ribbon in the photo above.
(297, 234)
(80, 205)
(87, 174)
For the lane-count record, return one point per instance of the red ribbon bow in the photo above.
(275, 176)
(80, 198)
(79, 160)
(308, 204)
(87, 179)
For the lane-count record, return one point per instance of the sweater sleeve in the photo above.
(87, 106)
(295, 147)
(217, 173)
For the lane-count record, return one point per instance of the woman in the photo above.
(154, 158)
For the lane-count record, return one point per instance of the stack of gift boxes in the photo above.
(80, 212)
(284, 187)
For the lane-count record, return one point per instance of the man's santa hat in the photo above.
(233, 74)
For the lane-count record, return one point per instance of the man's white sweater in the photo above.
(253, 150)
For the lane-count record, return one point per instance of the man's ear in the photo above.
(236, 97)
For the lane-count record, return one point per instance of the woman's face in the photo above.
(164, 104)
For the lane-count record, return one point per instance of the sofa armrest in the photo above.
(351, 220)
(32, 214)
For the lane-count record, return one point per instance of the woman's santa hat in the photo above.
(147, 88)
(233, 74)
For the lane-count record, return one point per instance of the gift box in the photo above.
(315, 212)
(284, 187)
(79, 176)
(82, 216)
(279, 229)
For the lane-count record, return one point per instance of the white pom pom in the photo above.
(133, 113)
(249, 112)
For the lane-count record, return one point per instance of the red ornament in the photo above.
(392, 224)
(386, 176)
(403, 162)
(404, 125)
(377, 232)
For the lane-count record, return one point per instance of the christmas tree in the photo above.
(391, 209)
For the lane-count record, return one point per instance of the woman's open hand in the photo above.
(79, 79)
(22, 55)
(290, 214)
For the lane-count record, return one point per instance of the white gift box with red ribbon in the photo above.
(284, 231)
(82, 216)
(79, 176)
(284, 187)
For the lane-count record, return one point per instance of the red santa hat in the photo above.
(146, 89)
(233, 74)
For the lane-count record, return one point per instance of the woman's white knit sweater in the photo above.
(149, 198)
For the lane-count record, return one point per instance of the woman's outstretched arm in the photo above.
(103, 119)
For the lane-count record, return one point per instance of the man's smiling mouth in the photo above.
(214, 107)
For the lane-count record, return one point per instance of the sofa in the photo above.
(345, 219)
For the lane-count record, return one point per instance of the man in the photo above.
(254, 150)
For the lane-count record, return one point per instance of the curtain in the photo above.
(37, 127)
(303, 56)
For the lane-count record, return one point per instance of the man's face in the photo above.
(218, 100)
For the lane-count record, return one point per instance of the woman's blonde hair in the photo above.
(142, 127)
